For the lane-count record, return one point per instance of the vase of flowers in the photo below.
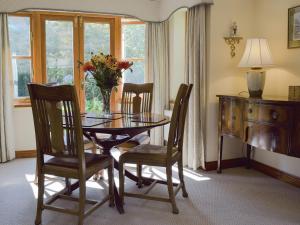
(107, 72)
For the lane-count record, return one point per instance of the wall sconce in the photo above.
(233, 39)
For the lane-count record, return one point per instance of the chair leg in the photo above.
(170, 189)
(111, 184)
(40, 201)
(36, 174)
(139, 170)
(68, 185)
(121, 182)
(180, 173)
(82, 196)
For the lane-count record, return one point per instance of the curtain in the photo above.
(7, 150)
(157, 70)
(194, 144)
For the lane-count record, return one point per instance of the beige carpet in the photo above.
(238, 196)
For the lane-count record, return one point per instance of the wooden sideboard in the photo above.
(271, 124)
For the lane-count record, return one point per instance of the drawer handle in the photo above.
(275, 115)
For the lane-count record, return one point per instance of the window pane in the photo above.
(93, 98)
(59, 52)
(19, 35)
(133, 40)
(22, 76)
(137, 75)
(96, 39)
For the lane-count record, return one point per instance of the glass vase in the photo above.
(106, 93)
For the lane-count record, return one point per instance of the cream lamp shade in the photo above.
(257, 54)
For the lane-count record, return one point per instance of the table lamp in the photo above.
(256, 56)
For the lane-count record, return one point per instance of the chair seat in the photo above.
(149, 149)
(73, 163)
(147, 154)
(59, 166)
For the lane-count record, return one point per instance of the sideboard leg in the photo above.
(249, 150)
(220, 154)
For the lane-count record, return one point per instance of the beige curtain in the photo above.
(194, 146)
(157, 70)
(7, 151)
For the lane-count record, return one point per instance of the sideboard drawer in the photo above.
(273, 138)
(267, 113)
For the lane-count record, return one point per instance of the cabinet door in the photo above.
(231, 117)
(268, 137)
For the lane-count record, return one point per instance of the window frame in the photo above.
(24, 101)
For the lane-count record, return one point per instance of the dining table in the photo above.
(119, 128)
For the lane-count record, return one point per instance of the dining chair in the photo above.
(88, 144)
(60, 149)
(136, 98)
(162, 156)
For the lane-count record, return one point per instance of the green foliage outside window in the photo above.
(134, 47)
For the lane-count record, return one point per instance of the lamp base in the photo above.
(256, 82)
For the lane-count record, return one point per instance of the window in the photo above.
(71, 38)
(20, 43)
(96, 38)
(133, 49)
(59, 51)
(51, 44)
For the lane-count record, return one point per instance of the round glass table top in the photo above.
(121, 123)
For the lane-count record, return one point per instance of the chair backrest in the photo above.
(137, 98)
(176, 131)
(57, 120)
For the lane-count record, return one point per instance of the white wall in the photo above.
(24, 129)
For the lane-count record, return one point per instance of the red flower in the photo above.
(88, 66)
(124, 65)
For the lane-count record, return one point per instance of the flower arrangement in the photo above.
(107, 71)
